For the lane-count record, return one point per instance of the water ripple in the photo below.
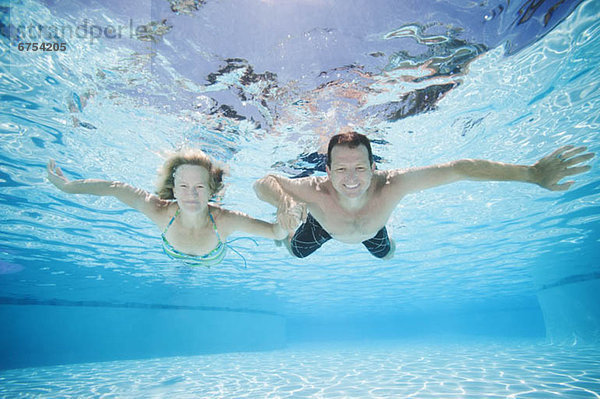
(110, 110)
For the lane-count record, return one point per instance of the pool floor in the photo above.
(343, 370)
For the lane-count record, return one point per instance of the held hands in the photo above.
(279, 232)
(290, 214)
(550, 169)
(56, 177)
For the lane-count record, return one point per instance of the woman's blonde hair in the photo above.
(166, 174)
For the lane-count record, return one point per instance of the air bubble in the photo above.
(493, 13)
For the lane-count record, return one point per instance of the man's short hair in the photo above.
(350, 140)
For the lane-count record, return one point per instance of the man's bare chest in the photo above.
(352, 226)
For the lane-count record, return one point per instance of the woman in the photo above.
(194, 230)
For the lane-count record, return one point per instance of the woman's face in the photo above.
(191, 188)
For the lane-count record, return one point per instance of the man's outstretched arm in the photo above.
(287, 195)
(546, 172)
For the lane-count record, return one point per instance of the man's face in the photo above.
(350, 171)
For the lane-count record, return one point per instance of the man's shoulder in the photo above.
(318, 180)
(309, 182)
(384, 177)
(316, 185)
(392, 176)
(389, 182)
(311, 188)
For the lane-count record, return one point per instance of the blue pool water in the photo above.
(493, 291)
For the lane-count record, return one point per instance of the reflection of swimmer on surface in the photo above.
(354, 201)
(76, 105)
(194, 230)
(187, 7)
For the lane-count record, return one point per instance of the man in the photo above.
(354, 202)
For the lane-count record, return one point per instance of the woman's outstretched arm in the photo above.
(239, 221)
(141, 200)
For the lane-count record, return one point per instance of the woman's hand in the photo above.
(279, 232)
(56, 177)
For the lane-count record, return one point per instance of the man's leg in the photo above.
(308, 238)
(381, 245)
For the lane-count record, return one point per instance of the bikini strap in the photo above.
(214, 225)
(171, 221)
(238, 252)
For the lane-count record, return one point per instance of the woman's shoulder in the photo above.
(227, 218)
(165, 207)
(164, 212)
(222, 214)
(227, 221)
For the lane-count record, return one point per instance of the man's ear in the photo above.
(373, 167)
(328, 170)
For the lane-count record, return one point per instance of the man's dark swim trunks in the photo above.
(311, 235)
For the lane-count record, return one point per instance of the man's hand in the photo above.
(290, 213)
(549, 170)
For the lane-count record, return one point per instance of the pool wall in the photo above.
(36, 335)
(47, 334)
(571, 312)
(568, 284)
(435, 325)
